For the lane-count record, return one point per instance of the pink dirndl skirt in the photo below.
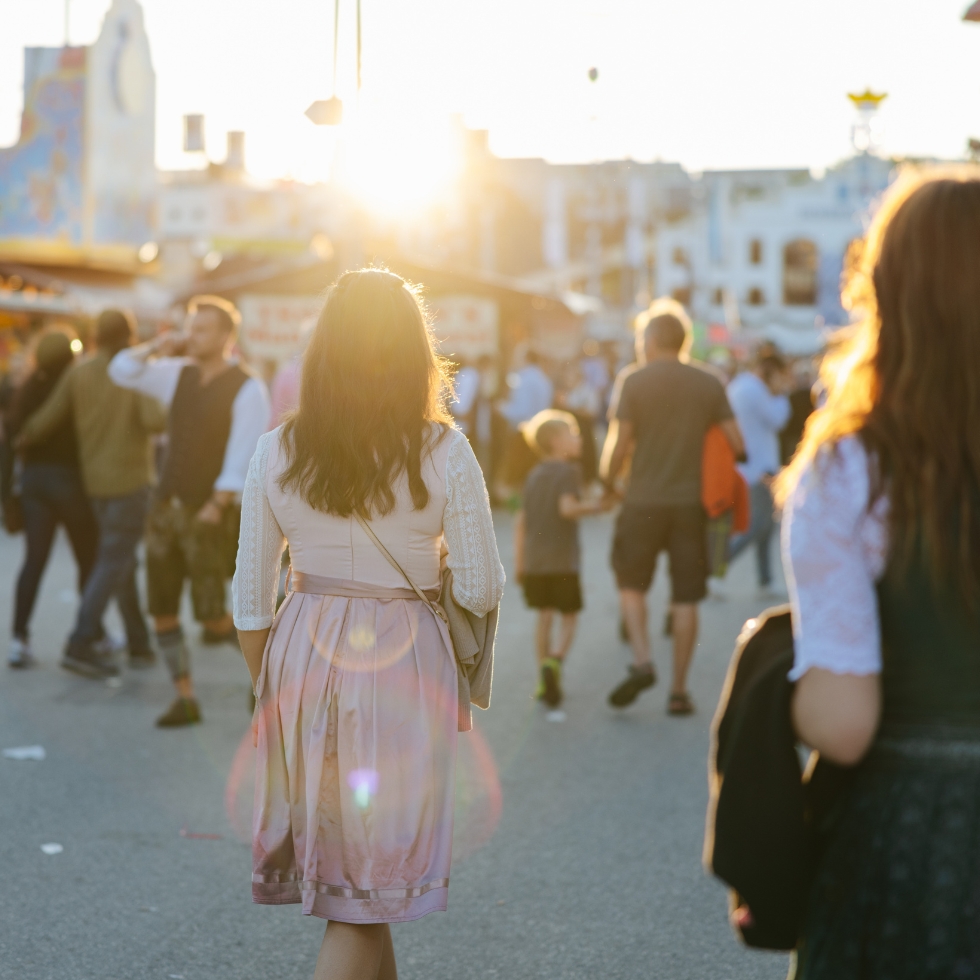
(356, 755)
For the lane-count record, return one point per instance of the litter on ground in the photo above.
(24, 753)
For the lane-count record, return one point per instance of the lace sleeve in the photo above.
(478, 576)
(834, 551)
(260, 545)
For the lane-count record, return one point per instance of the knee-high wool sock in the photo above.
(174, 651)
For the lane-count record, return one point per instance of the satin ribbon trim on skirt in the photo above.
(373, 893)
(324, 585)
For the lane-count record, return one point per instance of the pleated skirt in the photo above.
(356, 759)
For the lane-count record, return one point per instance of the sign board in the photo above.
(272, 326)
(465, 326)
(557, 336)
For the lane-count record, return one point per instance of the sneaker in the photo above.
(637, 681)
(142, 659)
(551, 692)
(184, 711)
(19, 656)
(211, 639)
(87, 661)
(109, 645)
(717, 590)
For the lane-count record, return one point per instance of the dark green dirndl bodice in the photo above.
(897, 896)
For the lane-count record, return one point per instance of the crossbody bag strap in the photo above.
(369, 531)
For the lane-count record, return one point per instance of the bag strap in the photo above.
(369, 531)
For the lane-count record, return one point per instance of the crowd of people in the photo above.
(84, 431)
(656, 414)
(364, 673)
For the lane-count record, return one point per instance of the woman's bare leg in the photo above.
(388, 970)
(351, 952)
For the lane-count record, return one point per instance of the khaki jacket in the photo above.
(473, 639)
(113, 426)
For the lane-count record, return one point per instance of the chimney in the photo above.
(194, 134)
(235, 159)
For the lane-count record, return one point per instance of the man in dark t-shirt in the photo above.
(660, 414)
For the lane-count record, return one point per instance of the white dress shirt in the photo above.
(249, 411)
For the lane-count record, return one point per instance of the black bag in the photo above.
(767, 818)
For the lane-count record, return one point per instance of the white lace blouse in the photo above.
(457, 523)
(834, 551)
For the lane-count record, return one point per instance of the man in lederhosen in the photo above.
(217, 411)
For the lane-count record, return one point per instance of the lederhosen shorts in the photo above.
(179, 547)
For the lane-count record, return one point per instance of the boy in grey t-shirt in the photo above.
(546, 547)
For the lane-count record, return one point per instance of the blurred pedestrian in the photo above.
(113, 429)
(662, 412)
(284, 390)
(484, 419)
(578, 397)
(761, 409)
(882, 539)
(532, 391)
(358, 686)
(51, 490)
(466, 383)
(802, 401)
(546, 546)
(11, 380)
(217, 411)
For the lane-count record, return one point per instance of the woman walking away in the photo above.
(882, 542)
(51, 494)
(355, 677)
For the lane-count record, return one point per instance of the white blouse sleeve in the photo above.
(478, 576)
(249, 420)
(255, 587)
(834, 552)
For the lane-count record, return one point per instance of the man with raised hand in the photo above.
(217, 411)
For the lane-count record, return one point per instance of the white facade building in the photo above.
(764, 249)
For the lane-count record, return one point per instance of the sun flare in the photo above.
(397, 166)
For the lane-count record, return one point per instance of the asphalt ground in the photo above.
(578, 843)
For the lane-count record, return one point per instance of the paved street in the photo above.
(578, 844)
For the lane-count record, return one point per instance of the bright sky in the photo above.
(709, 83)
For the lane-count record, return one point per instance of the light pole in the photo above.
(330, 112)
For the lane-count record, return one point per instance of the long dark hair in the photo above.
(372, 385)
(908, 381)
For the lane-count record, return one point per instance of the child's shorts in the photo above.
(562, 592)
